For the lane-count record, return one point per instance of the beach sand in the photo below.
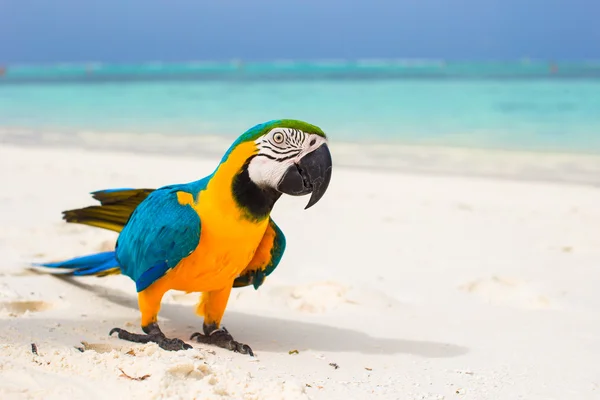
(397, 285)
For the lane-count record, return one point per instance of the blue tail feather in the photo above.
(87, 265)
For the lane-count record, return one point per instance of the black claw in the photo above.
(222, 338)
(244, 349)
(113, 330)
(156, 336)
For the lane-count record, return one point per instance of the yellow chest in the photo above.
(228, 239)
(225, 249)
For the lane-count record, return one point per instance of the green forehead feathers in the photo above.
(258, 130)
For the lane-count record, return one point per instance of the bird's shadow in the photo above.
(278, 335)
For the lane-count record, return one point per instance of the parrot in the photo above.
(208, 236)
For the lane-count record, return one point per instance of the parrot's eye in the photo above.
(278, 137)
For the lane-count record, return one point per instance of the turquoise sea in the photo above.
(529, 105)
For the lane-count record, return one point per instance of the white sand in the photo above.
(416, 286)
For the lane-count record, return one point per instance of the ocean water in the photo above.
(520, 105)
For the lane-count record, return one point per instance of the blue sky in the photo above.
(179, 30)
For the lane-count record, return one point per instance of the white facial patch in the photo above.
(278, 150)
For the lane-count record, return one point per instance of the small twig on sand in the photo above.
(141, 378)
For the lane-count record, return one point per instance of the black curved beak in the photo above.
(310, 175)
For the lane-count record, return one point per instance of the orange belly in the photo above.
(214, 264)
(227, 244)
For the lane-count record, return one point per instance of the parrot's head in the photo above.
(290, 157)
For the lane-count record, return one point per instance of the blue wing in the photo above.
(159, 234)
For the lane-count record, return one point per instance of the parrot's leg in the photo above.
(212, 307)
(149, 303)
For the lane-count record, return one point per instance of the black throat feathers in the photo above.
(257, 201)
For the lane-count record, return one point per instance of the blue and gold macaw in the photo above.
(209, 235)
